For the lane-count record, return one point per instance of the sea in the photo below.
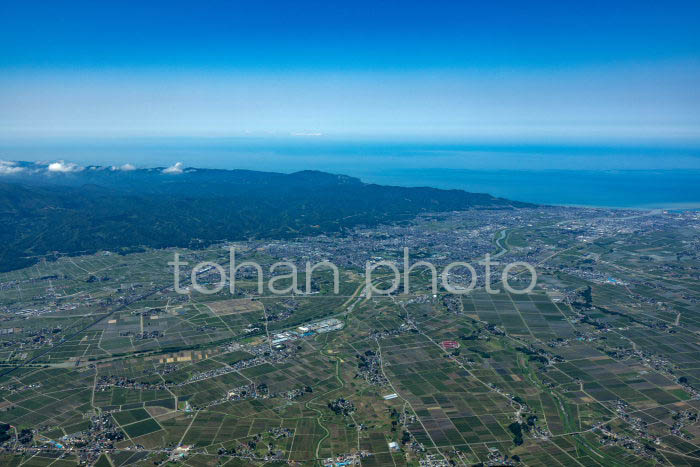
(621, 175)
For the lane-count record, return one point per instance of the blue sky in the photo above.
(444, 70)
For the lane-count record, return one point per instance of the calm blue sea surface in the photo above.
(604, 188)
(591, 175)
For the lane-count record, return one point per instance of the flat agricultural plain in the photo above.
(102, 363)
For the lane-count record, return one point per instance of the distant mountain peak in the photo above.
(96, 208)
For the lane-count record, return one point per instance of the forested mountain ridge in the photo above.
(99, 208)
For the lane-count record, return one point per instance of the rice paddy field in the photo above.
(103, 363)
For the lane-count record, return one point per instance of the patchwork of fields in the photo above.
(103, 363)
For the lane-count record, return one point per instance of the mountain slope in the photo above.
(103, 209)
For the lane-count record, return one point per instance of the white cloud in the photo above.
(126, 167)
(174, 169)
(9, 168)
(64, 167)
